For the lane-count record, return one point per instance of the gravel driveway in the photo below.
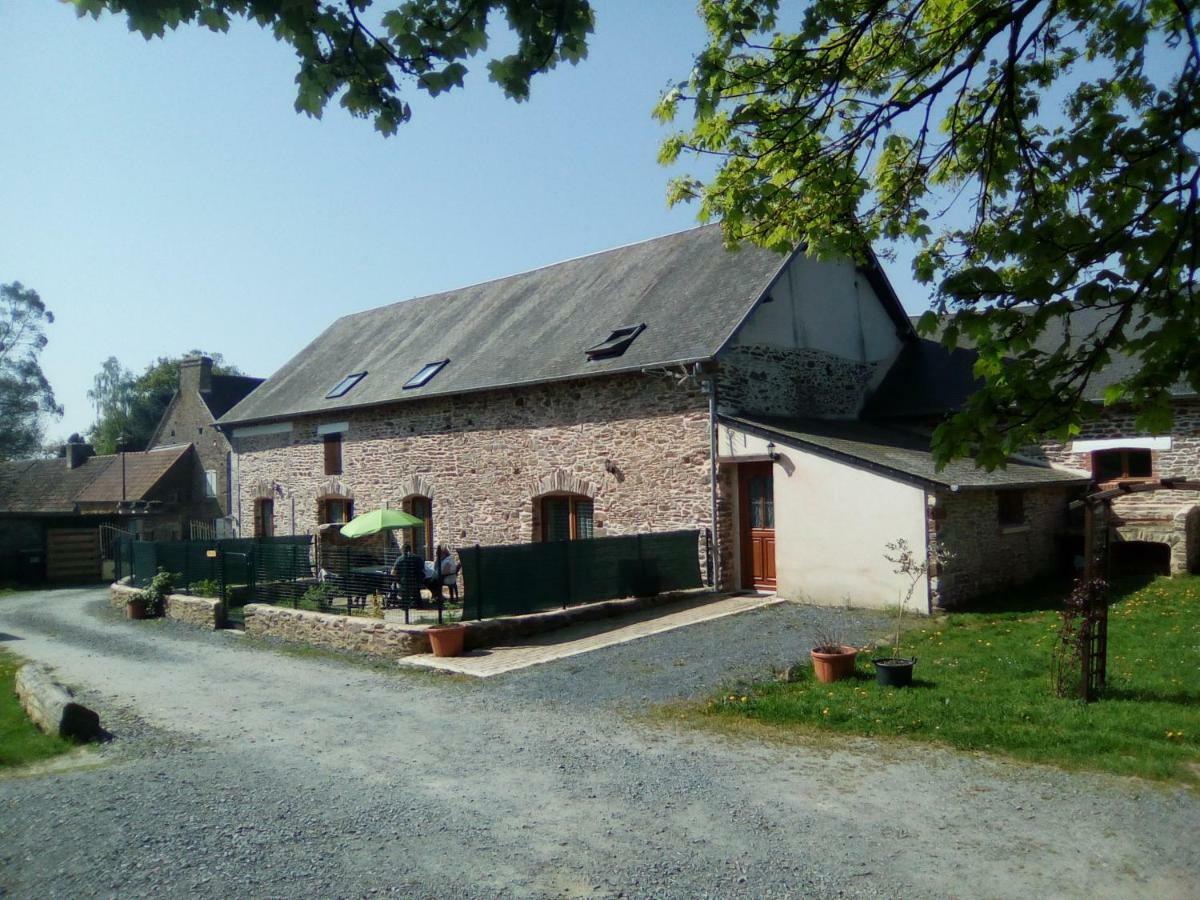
(246, 771)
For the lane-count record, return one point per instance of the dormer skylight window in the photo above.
(616, 343)
(423, 377)
(343, 387)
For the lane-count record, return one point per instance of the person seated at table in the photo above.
(447, 571)
(409, 572)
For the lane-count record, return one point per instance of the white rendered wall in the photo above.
(832, 522)
(828, 306)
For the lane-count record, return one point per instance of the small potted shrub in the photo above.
(151, 603)
(896, 670)
(832, 658)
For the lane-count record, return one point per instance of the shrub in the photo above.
(205, 587)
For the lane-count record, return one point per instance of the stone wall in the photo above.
(986, 555)
(637, 445)
(206, 612)
(333, 632)
(778, 381)
(1164, 517)
(1182, 460)
(189, 421)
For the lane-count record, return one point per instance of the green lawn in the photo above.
(20, 741)
(982, 682)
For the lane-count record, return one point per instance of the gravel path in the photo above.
(239, 770)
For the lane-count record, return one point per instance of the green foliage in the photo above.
(132, 404)
(21, 742)
(316, 598)
(362, 50)
(1056, 166)
(205, 587)
(984, 681)
(154, 598)
(26, 397)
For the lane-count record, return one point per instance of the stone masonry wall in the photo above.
(189, 421)
(206, 612)
(638, 445)
(776, 381)
(988, 556)
(1182, 460)
(353, 634)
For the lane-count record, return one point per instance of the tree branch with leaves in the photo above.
(1037, 161)
(365, 51)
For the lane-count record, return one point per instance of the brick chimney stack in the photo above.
(195, 374)
(77, 453)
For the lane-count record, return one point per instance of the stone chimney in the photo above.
(77, 453)
(195, 374)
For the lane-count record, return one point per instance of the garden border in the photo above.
(205, 612)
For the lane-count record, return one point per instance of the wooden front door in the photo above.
(756, 484)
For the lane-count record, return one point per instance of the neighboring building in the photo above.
(668, 384)
(51, 510)
(190, 417)
(1156, 531)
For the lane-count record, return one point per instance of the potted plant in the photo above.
(896, 670)
(447, 640)
(151, 602)
(832, 658)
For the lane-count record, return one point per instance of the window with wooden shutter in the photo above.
(333, 454)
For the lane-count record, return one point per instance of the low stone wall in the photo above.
(206, 612)
(391, 640)
(503, 630)
(357, 634)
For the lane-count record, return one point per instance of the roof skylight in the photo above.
(343, 387)
(616, 343)
(427, 372)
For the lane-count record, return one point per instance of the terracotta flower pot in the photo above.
(446, 640)
(830, 667)
(135, 609)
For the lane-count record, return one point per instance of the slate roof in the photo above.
(899, 453)
(928, 379)
(228, 391)
(690, 292)
(48, 486)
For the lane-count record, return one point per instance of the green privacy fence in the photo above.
(243, 569)
(524, 578)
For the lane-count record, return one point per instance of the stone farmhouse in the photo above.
(190, 418)
(665, 385)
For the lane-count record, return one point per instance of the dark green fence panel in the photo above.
(525, 578)
(145, 561)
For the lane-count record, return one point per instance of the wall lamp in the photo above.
(771, 451)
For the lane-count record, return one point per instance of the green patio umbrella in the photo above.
(379, 520)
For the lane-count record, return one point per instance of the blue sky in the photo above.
(163, 196)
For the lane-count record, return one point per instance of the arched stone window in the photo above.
(335, 503)
(421, 537)
(416, 493)
(563, 508)
(565, 517)
(263, 511)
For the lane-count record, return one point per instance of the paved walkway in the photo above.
(583, 638)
